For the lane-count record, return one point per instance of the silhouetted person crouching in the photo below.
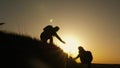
(48, 34)
(2, 23)
(85, 57)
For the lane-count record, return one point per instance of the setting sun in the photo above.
(71, 46)
(49, 33)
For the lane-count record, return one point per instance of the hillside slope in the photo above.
(19, 51)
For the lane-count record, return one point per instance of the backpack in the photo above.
(48, 28)
(89, 56)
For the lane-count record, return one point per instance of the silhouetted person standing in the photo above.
(48, 33)
(85, 57)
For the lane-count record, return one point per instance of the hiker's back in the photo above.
(48, 28)
(86, 57)
(47, 33)
(89, 56)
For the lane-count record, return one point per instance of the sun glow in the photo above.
(71, 46)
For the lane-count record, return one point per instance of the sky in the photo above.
(93, 24)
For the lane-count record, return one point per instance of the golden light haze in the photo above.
(93, 24)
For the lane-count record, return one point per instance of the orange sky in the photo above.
(94, 24)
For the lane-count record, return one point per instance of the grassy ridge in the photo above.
(20, 51)
(17, 50)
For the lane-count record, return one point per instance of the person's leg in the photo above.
(51, 40)
(43, 37)
(44, 40)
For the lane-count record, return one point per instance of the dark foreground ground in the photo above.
(93, 65)
(101, 66)
(20, 51)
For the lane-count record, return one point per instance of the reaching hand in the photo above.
(63, 42)
(74, 58)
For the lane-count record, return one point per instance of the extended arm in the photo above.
(77, 57)
(59, 38)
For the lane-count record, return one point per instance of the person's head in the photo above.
(81, 48)
(56, 28)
